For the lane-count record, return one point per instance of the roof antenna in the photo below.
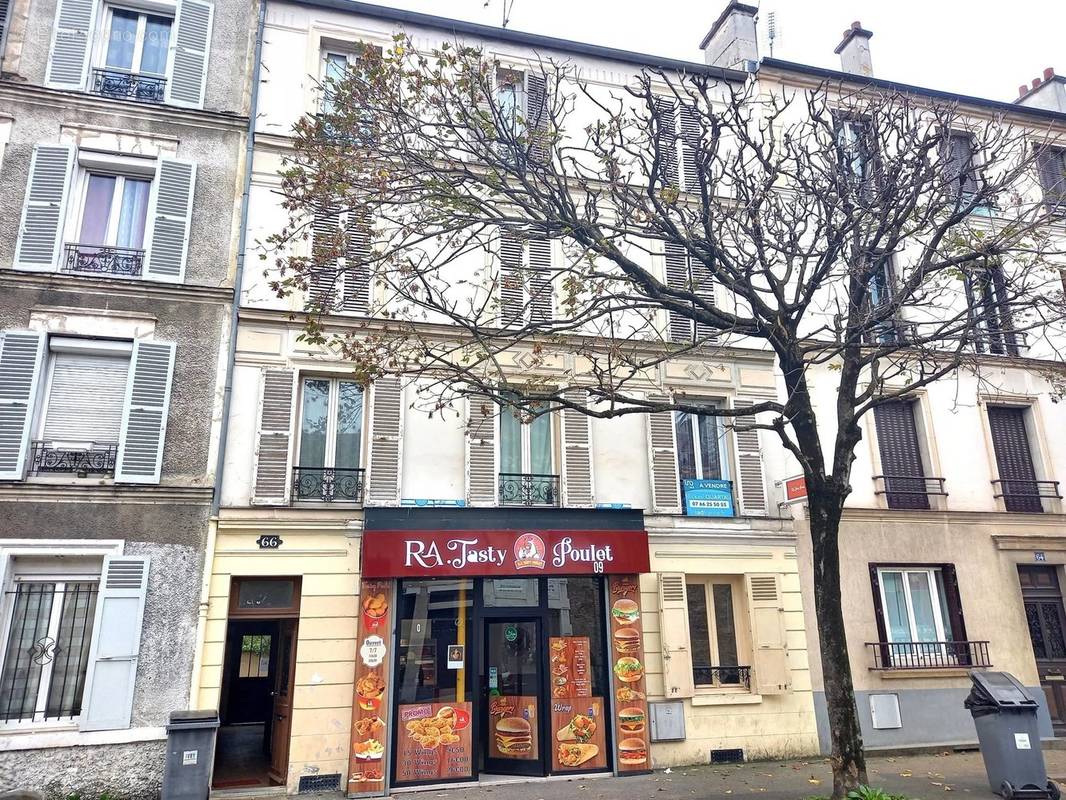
(508, 5)
(771, 26)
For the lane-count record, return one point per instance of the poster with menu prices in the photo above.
(513, 727)
(568, 662)
(628, 681)
(434, 742)
(579, 734)
(367, 763)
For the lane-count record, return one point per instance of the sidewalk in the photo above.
(915, 776)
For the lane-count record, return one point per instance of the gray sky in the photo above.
(984, 48)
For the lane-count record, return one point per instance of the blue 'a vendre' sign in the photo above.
(708, 498)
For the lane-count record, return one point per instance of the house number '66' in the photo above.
(269, 542)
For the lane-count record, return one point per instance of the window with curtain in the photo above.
(712, 627)
(137, 42)
(511, 99)
(855, 148)
(700, 450)
(329, 453)
(919, 614)
(114, 211)
(525, 447)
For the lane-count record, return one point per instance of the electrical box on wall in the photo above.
(667, 721)
(884, 711)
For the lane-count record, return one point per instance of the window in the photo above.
(330, 448)
(903, 479)
(49, 617)
(855, 148)
(989, 302)
(511, 100)
(712, 625)
(1051, 167)
(135, 55)
(340, 64)
(960, 174)
(255, 656)
(527, 467)
(880, 289)
(700, 446)
(691, 275)
(919, 618)
(1017, 483)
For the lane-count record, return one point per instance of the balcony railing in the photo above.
(527, 489)
(929, 655)
(908, 491)
(1025, 495)
(328, 484)
(116, 83)
(707, 675)
(46, 458)
(100, 259)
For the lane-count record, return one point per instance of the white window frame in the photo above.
(110, 165)
(723, 455)
(99, 56)
(332, 409)
(525, 444)
(736, 588)
(521, 93)
(920, 650)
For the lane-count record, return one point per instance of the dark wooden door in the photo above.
(281, 718)
(1046, 619)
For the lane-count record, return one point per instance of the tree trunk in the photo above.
(847, 758)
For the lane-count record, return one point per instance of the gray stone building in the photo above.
(122, 132)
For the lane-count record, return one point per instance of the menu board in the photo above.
(579, 738)
(367, 766)
(434, 742)
(627, 675)
(569, 665)
(513, 727)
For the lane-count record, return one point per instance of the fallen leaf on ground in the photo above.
(905, 774)
(814, 781)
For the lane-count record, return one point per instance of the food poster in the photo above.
(627, 675)
(513, 727)
(579, 737)
(369, 729)
(434, 742)
(569, 664)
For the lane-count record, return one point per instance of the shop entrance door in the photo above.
(513, 714)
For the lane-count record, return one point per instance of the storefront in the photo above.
(498, 642)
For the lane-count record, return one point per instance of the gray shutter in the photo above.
(75, 415)
(44, 207)
(170, 216)
(21, 357)
(749, 463)
(144, 417)
(689, 120)
(481, 452)
(5, 11)
(541, 305)
(512, 289)
(116, 645)
(677, 277)
(355, 294)
(662, 450)
(386, 436)
(69, 58)
(537, 115)
(666, 137)
(275, 430)
(192, 47)
(901, 455)
(577, 453)
(1014, 459)
(1051, 167)
(322, 281)
(703, 288)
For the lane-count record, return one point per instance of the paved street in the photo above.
(924, 776)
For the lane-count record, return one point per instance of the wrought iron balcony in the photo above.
(929, 655)
(116, 83)
(46, 458)
(891, 331)
(328, 484)
(100, 259)
(1025, 495)
(526, 489)
(908, 491)
(707, 675)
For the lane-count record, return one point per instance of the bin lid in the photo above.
(1000, 689)
(207, 718)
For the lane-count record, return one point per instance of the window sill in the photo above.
(725, 697)
(45, 735)
(924, 672)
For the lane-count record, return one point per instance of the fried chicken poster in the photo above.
(369, 740)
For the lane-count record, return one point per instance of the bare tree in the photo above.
(850, 231)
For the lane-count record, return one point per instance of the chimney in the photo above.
(731, 41)
(854, 51)
(1047, 91)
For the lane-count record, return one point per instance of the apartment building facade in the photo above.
(121, 138)
(325, 584)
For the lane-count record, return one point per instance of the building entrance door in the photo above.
(1047, 631)
(513, 716)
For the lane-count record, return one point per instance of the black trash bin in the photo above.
(190, 755)
(1005, 717)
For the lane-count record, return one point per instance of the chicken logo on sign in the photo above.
(529, 552)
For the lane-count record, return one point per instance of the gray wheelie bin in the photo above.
(190, 755)
(1005, 717)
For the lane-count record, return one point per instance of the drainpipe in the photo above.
(227, 391)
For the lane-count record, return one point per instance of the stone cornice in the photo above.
(115, 287)
(126, 494)
(997, 519)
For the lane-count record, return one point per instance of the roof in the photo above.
(459, 28)
(938, 94)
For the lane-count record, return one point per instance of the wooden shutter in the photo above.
(386, 434)
(68, 60)
(689, 119)
(1051, 168)
(170, 215)
(541, 307)
(537, 115)
(1014, 459)
(271, 483)
(749, 462)
(322, 282)
(192, 49)
(662, 452)
(44, 207)
(21, 357)
(673, 631)
(5, 10)
(703, 288)
(144, 417)
(958, 164)
(480, 452)
(577, 453)
(666, 139)
(116, 644)
(512, 291)
(355, 293)
(769, 654)
(901, 455)
(956, 622)
(677, 277)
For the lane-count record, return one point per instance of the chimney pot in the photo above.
(1022, 90)
(1049, 73)
(1036, 83)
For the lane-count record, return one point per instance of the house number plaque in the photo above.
(269, 542)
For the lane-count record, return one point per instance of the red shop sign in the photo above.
(400, 554)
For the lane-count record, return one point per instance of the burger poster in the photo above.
(369, 732)
(628, 680)
(578, 734)
(513, 727)
(434, 742)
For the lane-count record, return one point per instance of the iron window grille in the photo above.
(708, 675)
(96, 459)
(528, 489)
(910, 486)
(103, 259)
(131, 85)
(328, 484)
(1025, 495)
